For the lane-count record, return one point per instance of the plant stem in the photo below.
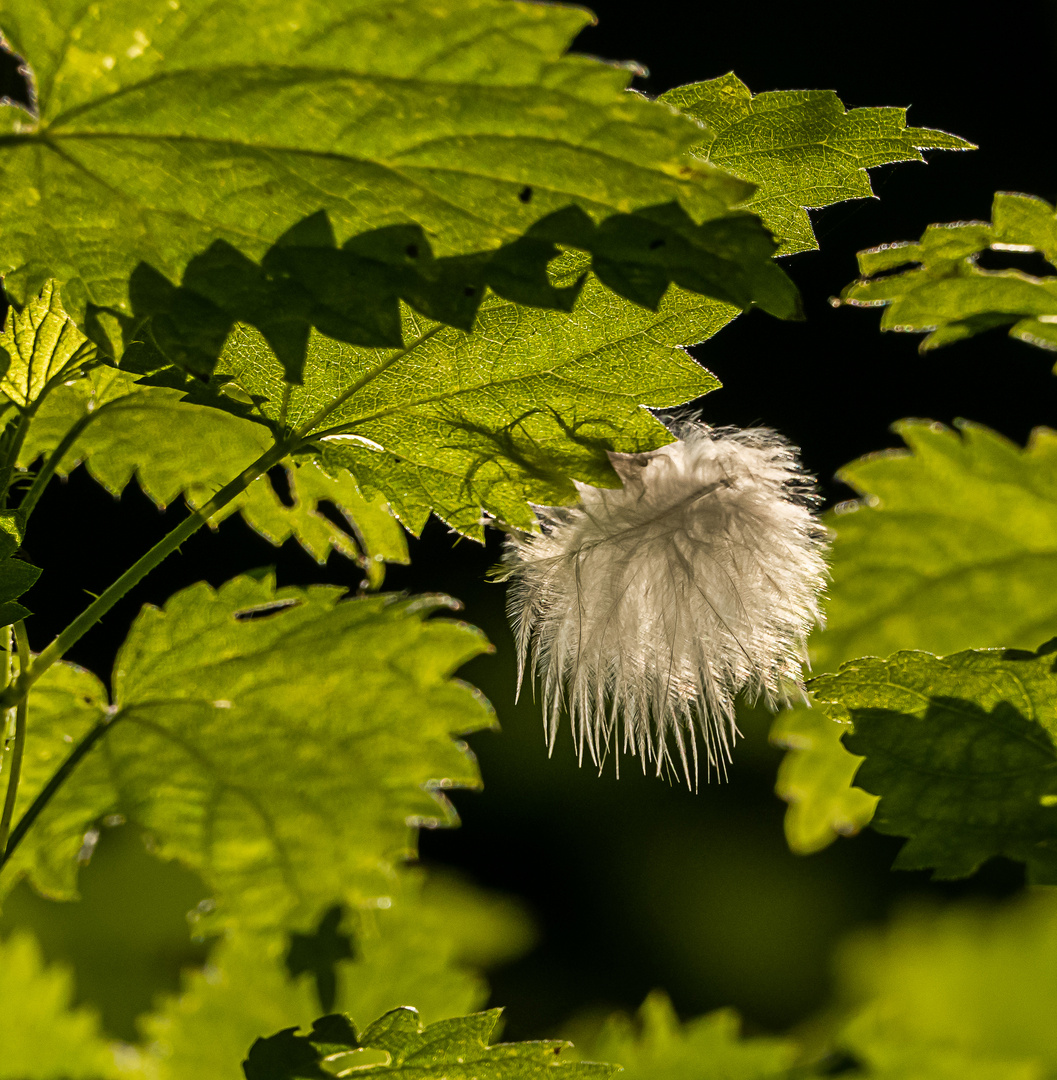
(47, 470)
(20, 741)
(7, 469)
(48, 791)
(137, 572)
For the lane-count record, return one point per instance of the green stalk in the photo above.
(47, 470)
(7, 469)
(19, 749)
(48, 791)
(137, 572)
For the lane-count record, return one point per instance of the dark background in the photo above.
(636, 883)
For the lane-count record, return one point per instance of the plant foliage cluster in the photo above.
(424, 261)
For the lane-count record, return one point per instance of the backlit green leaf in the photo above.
(946, 293)
(16, 575)
(801, 148)
(406, 951)
(287, 793)
(961, 752)
(462, 117)
(456, 1049)
(174, 447)
(41, 344)
(656, 1046)
(969, 990)
(497, 419)
(952, 545)
(44, 1038)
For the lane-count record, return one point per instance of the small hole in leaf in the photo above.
(326, 509)
(469, 291)
(525, 194)
(263, 611)
(412, 251)
(655, 244)
(1027, 262)
(279, 478)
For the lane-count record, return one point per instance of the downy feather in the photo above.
(646, 609)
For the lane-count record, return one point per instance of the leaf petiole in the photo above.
(19, 747)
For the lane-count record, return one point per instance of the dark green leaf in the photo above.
(951, 545)
(801, 148)
(946, 293)
(961, 752)
(16, 575)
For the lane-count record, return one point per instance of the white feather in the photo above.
(647, 608)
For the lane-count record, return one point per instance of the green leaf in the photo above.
(175, 448)
(972, 985)
(946, 293)
(961, 752)
(353, 293)
(464, 118)
(801, 148)
(407, 951)
(44, 1038)
(41, 344)
(657, 1047)
(498, 419)
(284, 743)
(456, 1049)
(951, 545)
(16, 575)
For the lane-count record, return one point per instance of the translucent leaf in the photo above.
(801, 148)
(406, 952)
(961, 752)
(494, 420)
(974, 985)
(952, 545)
(175, 447)
(456, 1049)
(464, 118)
(43, 1037)
(946, 293)
(656, 1046)
(283, 743)
(41, 343)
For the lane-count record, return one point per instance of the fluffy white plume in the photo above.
(649, 607)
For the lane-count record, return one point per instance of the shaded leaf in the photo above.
(175, 448)
(353, 293)
(44, 1037)
(961, 752)
(951, 545)
(464, 118)
(801, 148)
(16, 575)
(288, 793)
(656, 1046)
(454, 1049)
(946, 293)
